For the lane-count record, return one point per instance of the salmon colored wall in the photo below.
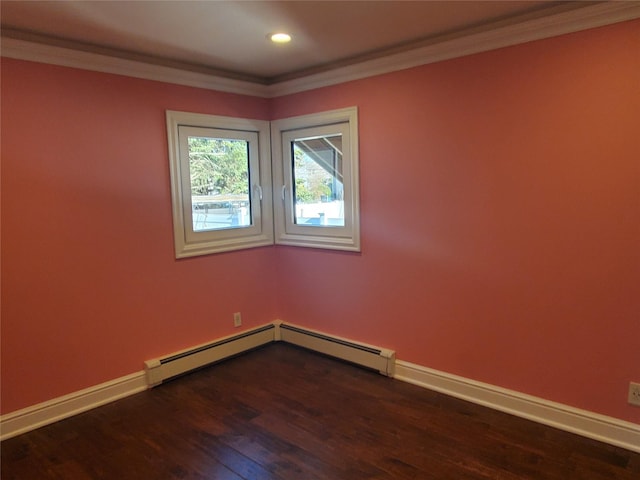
(90, 285)
(500, 225)
(500, 204)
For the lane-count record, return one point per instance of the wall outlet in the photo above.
(634, 393)
(237, 319)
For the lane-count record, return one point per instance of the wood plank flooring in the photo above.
(285, 413)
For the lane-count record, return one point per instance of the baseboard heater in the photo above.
(162, 369)
(369, 356)
(179, 363)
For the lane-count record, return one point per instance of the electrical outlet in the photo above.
(237, 319)
(634, 393)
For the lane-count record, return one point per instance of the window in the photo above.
(316, 180)
(220, 183)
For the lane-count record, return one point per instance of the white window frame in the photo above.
(283, 132)
(188, 242)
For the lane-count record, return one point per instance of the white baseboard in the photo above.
(156, 371)
(582, 422)
(588, 424)
(35, 416)
(178, 363)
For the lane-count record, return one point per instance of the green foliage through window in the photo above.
(218, 166)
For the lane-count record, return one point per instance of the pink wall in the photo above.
(500, 219)
(500, 225)
(90, 286)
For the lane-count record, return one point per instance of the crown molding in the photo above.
(68, 57)
(438, 49)
(584, 18)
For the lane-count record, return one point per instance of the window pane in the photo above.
(219, 173)
(318, 181)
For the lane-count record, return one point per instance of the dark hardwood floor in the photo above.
(285, 413)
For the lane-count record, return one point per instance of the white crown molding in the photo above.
(582, 422)
(67, 57)
(589, 16)
(593, 16)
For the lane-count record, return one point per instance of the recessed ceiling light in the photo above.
(280, 37)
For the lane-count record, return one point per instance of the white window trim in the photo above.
(286, 232)
(190, 243)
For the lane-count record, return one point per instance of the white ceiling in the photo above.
(222, 45)
(228, 38)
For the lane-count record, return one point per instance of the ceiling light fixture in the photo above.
(280, 37)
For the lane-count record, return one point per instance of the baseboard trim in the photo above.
(45, 413)
(582, 422)
(178, 363)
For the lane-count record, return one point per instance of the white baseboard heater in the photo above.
(362, 354)
(178, 363)
(162, 369)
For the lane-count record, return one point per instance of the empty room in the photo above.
(320, 240)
